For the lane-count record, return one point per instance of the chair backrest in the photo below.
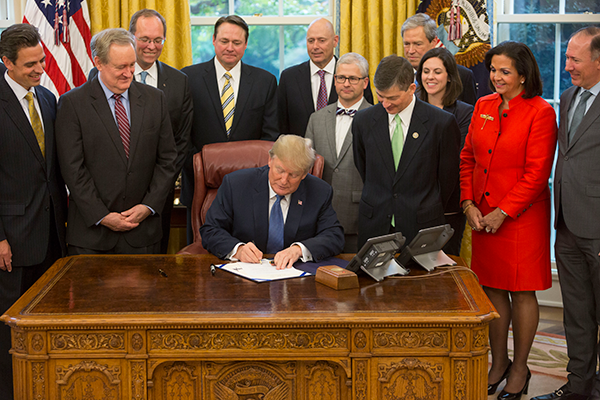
(216, 160)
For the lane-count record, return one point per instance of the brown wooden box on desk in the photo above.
(336, 277)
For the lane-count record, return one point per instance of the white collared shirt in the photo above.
(343, 124)
(236, 74)
(405, 116)
(151, 78)
(315, 79)
(21, 92)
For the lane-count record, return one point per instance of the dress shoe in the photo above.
(561, 394)
(504, 395)
(493, 386)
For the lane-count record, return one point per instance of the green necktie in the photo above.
(397, 146)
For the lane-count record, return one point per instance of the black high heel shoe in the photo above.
(492, 387)
(504, 395)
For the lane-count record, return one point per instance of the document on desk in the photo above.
(263, 272)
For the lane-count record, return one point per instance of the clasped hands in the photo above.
(286, 258)
(126, 220)
(491, 222)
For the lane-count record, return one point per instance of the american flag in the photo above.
(64, 26)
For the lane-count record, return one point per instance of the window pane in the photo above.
(294, 45)
(202, 47)
(306, 7)
(263, 48)
(567, 31)
(208, 8)
(540, 39)
(264, 7)
(581, 6)
(536, 6)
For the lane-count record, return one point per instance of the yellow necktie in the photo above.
(36, 123)
(227, 103)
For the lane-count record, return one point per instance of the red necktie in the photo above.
(322, 98)
(122, 122)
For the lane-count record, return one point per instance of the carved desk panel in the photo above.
(114, 327)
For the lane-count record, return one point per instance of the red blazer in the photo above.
(509, 160)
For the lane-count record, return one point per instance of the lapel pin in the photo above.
(415, 135)
(299, 202)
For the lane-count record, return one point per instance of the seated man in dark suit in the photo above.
(419, 35)
(277, 209)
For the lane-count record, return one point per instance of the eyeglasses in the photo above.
(341, 79)
(158, 41)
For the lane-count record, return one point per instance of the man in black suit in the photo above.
(117, 154)
(419, 35)
(405, 151)
(249, 108)
(279, 209)
(33, 199)
(301, 86)
(150, 31)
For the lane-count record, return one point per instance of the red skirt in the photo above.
(517, 256)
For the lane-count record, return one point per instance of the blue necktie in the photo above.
(275, 241)
(143, 76)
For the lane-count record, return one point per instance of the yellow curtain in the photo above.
(177, 51)
(372, 28)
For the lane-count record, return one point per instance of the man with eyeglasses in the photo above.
(307, 87)
(150, 30)
(329, 129)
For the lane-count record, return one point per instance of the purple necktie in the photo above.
(122, 122)
(322, 98)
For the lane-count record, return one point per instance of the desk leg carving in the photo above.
(360, 379)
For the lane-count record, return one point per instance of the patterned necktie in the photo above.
(122, 122)
(227, 103)
(343, 111)
(579, 113)
(397, 146)
(275, 240)
(143, 76)
(322, 97)
(36, 124)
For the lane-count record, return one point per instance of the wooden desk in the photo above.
(112, 327)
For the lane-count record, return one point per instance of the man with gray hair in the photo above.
(405, 151)
(329, 129)
(419, 35)
(277, 209)
(117, 154)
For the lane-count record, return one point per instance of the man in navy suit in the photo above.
(249, 94)
(300, 85)
(278, 209)
(405, 151)
(33, 198)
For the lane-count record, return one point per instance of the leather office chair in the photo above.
(215, 161)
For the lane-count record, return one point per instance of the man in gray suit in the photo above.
(33, 199)
(577, 210)
(329, 129)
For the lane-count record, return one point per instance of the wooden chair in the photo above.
(214, 162)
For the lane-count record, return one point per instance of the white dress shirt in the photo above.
(21, 92)
(405, 116)
(315, 79)
(151, 78)
(236, 74)
(343, 124)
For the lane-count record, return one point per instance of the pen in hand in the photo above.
(213, 269)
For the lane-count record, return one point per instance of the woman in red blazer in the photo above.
(505, 165)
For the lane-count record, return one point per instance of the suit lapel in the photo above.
(244, 90)
(563, 137)
(303, 80)
(348, 140)
(333, 97)
(381, 134)
(48, 119)
(414, 138)
(260, 206)
(330, 121)
(292, 222)
(136, 110)
(213, 91)
(162, 78)
(14, 110)
(590, 116)
(100, 104)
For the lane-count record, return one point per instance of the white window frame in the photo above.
(7, 13)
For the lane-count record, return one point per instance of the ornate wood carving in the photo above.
(248, 340)
(19, 343)
(88, 380)
(138, 374)
(137, 342)
(480, 338)
(38, 371)
(360, 340)
(37, 342)
(361, 379)
(87, 341)
(460, 340)
(322, 382)
(180, 382)
(460, 380)
(411, 379)
(251, 381)
(411, 339)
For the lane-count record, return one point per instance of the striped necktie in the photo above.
(122, 122)
(36, 123)
(322, 97)
(227, 103)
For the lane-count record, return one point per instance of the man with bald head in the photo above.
(308, 87)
